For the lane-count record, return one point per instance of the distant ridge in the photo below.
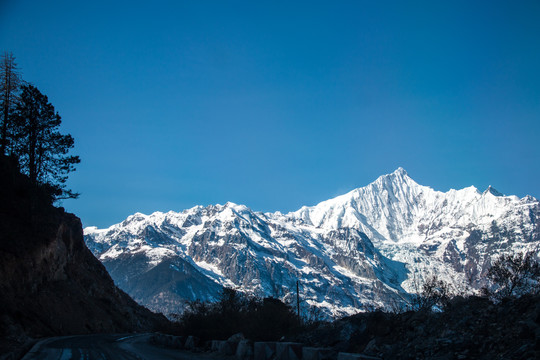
(362, 249)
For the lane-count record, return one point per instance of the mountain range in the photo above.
(371, 247)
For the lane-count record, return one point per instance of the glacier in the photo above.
(369, 248)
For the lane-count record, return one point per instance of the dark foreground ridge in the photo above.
(469, 328)
(50, 283)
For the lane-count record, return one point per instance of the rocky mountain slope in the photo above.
(367, 248)
(50, 283)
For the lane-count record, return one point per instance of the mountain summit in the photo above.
(369, 247)
(491, 190)
(385, 203)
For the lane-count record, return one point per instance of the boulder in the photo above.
(288, 351)
(178, 342)
(192, 342)
(244, 351)
(214, 346)
(264, 350)
(227, 348)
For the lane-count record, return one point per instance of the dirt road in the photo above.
(109, 347)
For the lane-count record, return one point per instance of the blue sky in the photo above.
(279, 104)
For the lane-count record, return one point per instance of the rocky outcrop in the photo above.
(50, 283)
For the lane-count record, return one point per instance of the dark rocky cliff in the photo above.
(50, 283)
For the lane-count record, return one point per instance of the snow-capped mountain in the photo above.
(369, 247)
(452, 234)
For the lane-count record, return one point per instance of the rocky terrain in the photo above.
(469, 328)
(50, 283)
(366, 249)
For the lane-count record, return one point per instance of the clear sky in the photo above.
(279, 104)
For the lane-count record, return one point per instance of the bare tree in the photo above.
(514, 275)
(432, 293)
(10, 82)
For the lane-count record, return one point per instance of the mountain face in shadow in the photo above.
(50, 283)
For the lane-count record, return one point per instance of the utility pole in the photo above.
(297, 299)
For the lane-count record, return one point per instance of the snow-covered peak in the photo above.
(394, 207)
(492, 191)
(90, 229)
(398, 173)
(400, 170)
(396, 186)
(378, 209)
(237, 208)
